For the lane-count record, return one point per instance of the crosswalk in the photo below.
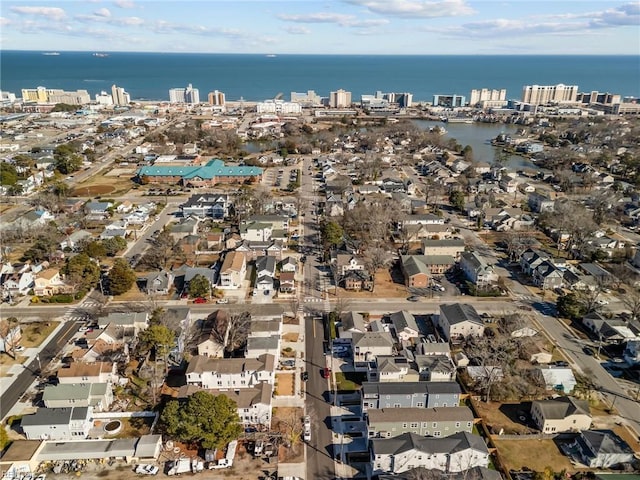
(79, 312)
(326, 305)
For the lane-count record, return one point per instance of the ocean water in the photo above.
(259, 77)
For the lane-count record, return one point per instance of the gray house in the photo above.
(96, 395)
(460, 320)
(435, 368)
(404, 325)
(410, 395)
(58, 423)
(601, 449)
(434, 422)
(159, 283)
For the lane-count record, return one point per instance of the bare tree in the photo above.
(631, 300)
(517, 242)
(494, 355)
(377, 258)
(289, 422)
(230, 329)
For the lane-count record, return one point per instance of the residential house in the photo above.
(390, 368)
(357, 280)
(48, 282)
(369, 345)
(417, 269)
(261, 345)
(476, 270)
(99, 396)
(265, 266)
(17, 283)
(98, 372)
(277, 222)
(601, 449)
(404, 325)
(531, 258)
(233, 270)
(289, 264)
(547, 276)
(460, 320)
(350, 323)
(159, 283)
(601, 276)
(631, 352)
(98, 209)
(33, 219)
(426, 422)
(185, 227)
(452, 247)
(10, 335)
(613, 331)
(207, 205)
(208, 273)
(222, 373)
(71, 423)
(539, 203)
(435, 368)
(345, 263)
(124, 207)
(558, 378)
(562, 414)
(456, 453)
(207, 340)
(130, 322)
(287, 282)
(424, 219)
(115, 229)
(256, 231)
(74, 239)
(253, 404)
(410, 395)
(433, 348)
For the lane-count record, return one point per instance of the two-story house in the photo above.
(460, 320)
(455, 453)
(476, 270)
(433, 422)
(404, 326)
(99, 396)
(72, 423)
(452, 247)
(562, 414)
(410, 395)
(368, 345)
(233, 270)
(98, 372)
(221, 373)
(49, 282)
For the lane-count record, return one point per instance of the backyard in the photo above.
(285, 384)
(33, 334)
(534, 454)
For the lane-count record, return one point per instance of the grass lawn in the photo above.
(349, 381)
(384, 287)
(534, 454)
(33, 334)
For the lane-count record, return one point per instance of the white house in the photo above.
(404, 325)
(476, 270)
(369, 345)
(460, 320)
(558, 378)
(234, 373)
(71, 423)
(562, 414)
(455, 453)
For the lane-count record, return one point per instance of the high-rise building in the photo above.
(486, 98)
(308, 99)
(216, 98)
(103, 98)
(599, 97)
(184, 95)
(119, 96)
(449, 101)
(48, 95)
(544, 94)
(340, 99)
(278, 106)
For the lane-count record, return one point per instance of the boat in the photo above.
(51, 54)
(271, 55)
(100, 54)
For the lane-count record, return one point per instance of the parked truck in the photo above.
(227, 461)
(182, 465)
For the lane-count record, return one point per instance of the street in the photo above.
(32, 371)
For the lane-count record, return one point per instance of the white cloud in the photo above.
(52, 13)
(416, 8)
(335, 18)
(103, 12)
(124, 3)
(297, 30)
(4, 21)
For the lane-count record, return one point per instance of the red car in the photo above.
(326, 372)
(200, 300)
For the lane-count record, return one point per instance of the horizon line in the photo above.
(338, 54)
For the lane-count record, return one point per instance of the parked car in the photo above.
(413, 298)
(222, 300)
(200, 300)
(588, 351)
(602, 301)
(18, 348)
(305, 376)
(326, 372)
(147, 469)
(266, 292)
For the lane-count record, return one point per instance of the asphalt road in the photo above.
(571, 346)
(320, 464)
(142, 243)
(33, 369)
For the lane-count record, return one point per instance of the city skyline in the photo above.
(387, 27)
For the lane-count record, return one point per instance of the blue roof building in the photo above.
(214, 171)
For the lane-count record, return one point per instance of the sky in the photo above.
(389, 27)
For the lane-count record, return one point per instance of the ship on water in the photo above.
(51, 54)
(97, 54)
